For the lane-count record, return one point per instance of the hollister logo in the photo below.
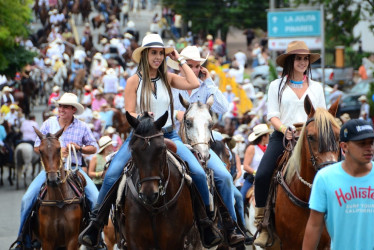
(360, 193)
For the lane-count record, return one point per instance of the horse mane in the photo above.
(324, 123)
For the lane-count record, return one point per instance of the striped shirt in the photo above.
(77, 132)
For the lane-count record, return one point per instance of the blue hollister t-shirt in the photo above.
(348, 204)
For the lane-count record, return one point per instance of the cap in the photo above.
(356, 130)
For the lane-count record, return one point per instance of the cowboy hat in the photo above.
(87, 87)
(362, 98)
(13, 106)
(209, 37)
(259, 130)
(228, 87)
(259, 95)
(104, 142)
(236, 99)
(130, 24)
(72, 100)
(297, 48)
(110, 130)
(96, 115)
(188, 53)
(345, 117)
(150, 41)
(110, 71)
(7, 89)
(56, 88)
(238, 138)
(128, 35)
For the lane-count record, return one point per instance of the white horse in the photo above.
(60, 77)
(25, 158)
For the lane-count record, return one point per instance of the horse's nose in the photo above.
(203, 158)
(53, 179)
(149, 199)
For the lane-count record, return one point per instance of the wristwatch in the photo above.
(80, 149)
(181, 60)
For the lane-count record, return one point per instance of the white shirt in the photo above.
(28, 132)
(110, 83)
(249, 91)
(238, 74)
(291, 109)
(241, 58)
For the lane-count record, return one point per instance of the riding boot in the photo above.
(209, 233)
(91, 235)
(263, 238)
(232, 236)
(248, 238)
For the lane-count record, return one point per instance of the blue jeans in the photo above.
(32, 192)
(239, 204)
(223, 181)
(246, 186)
(123, 155)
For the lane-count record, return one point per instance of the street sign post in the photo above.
(294, 24)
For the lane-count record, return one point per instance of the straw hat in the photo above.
(87, 87)
(259, 95)
(209, 37)
(130, 24)
(150, 41)
(363, 98)
(104, 142)
(188, 53)
(128, 35)
(236, 99)
(72, 100)
(242, 128)
(7, 89)
(238, 138)
(228, 87)
(96, 115)
(297, 48)
(259, 130)
(13, 106)
(345, 117)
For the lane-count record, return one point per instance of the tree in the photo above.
(15, 15)
(341, 16)
(210, 16)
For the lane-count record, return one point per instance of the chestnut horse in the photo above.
(60, 214)
(121, 124)
(158, 204)
(317, 147)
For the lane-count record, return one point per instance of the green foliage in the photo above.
(369, 96)
(341, 16)
(209, 16)
(14, 18)
(272, 71)
(16, 57)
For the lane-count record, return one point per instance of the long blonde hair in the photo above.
(146, 90)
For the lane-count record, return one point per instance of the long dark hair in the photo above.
(288, 74)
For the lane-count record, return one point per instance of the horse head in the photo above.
(50, 153)
(148, 152)
(318, 145)
(197, 126)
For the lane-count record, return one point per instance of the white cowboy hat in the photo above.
(259, 130)
(128, 35)
(363, 98)
(104, 142)
(150, 41)
(13, 106)
(242, 128)
(56, 88)
(72, 100)
(236, 99)
(188, 53)
(110, 71)
(345, 117)
(259, 95)
(103, 41)
(130, 24)
(47, 61)
(238, 138)
(87, 87)
(110, 130)
(96, 115)
(7, 89)
(228, 87)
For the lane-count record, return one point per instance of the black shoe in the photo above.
(90, 236)
(210, 235)
(16, 246)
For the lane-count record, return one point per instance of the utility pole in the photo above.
(273, 54)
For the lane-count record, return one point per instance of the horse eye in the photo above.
(188, 123)
(210, 125)
(310, 138)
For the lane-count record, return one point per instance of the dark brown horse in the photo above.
(121, 124)
(85, 9)
(79, 81)
(159, 204)
(60, 215)
(43, 14)
(317, 147)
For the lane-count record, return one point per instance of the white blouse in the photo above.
(291, 109)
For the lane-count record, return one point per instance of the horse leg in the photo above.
(72, 244)
(109, 235)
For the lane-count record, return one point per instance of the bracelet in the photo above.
(80, 149)
(180, 59)
(97, 174)
(175, 114)
(281, 128)
(181, 62)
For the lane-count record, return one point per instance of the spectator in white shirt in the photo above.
(241, 58)
(27, 130)
(237, 71)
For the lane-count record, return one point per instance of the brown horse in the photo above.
(121, 124)
(43, 14)
(80, 81)
(158, 203)
(60, 215)
(85, 9)
(317, 147)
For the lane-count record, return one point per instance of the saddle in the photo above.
(280, 169)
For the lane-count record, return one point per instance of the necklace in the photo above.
(297, 84)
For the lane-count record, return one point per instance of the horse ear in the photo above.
(334, 107)
(132, 120)
(59, 133)
(38, 133)
(308, 107)
(162, 120)
(210, 100)
(184, 102)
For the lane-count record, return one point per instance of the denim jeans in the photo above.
(246, 186)
(123, 155)
(32, 192)
(239, 203)
(223, 181)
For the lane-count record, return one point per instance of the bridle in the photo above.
(313, 158)
(162, 187)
